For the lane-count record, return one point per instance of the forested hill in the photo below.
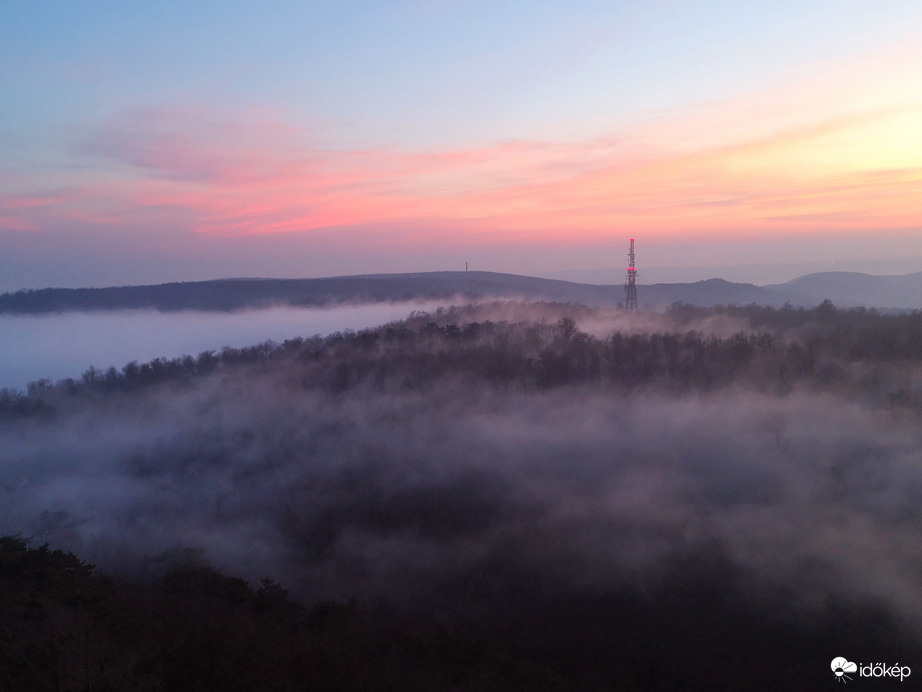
(234, 294)
(490, 497)
(844, 289)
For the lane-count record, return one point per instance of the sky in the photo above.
(154, 142)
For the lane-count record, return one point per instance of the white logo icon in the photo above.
(841, 666)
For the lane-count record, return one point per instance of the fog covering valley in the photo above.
(59, 345)
(631, 498)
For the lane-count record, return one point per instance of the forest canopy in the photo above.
(573, 488)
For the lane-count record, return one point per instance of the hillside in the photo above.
(853, 289)
(842, 288)
(490, 497)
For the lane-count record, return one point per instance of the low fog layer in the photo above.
(60, 345)
(488, 458)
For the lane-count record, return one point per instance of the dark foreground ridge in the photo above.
(67, 628)
(844, 289)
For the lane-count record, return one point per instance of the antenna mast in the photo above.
(630, 287)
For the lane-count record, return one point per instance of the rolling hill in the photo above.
(844, 289)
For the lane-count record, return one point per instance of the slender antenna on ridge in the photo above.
(630, 301)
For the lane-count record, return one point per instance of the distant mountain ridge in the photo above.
(844, 289)
(852, 289)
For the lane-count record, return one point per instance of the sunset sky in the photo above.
(151, 142)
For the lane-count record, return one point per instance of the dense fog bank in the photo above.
(469, 464)
(60, 345)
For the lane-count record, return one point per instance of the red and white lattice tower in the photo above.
(630, 286)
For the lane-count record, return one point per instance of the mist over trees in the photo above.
(626, 501)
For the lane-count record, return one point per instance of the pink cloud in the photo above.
(255, 174)
(191, 144)
(14, 223)
(18, 202)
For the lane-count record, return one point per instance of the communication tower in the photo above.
(630, 287)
